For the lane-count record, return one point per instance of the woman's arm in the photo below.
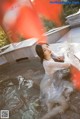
(57, 58)
(58, 65)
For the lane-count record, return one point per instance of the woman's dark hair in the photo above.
(40, 52)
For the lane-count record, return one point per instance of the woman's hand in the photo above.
(60, 58)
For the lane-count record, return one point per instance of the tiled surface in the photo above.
(70, 42)
(72, 36)
(15, 46)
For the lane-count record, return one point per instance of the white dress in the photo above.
(52, 85)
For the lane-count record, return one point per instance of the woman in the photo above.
(54, 90)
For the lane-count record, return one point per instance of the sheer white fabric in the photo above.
(51, 66)
(52, 85)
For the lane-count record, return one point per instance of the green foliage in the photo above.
(70, 9)
(3, 38)
(47, 24)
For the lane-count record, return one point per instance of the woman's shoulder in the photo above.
(47, 62)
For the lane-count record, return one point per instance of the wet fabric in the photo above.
(52, 87)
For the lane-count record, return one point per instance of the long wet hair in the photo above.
(40, 52)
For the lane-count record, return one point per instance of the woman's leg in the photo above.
(62, 106)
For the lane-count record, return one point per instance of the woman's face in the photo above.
(46, 50)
